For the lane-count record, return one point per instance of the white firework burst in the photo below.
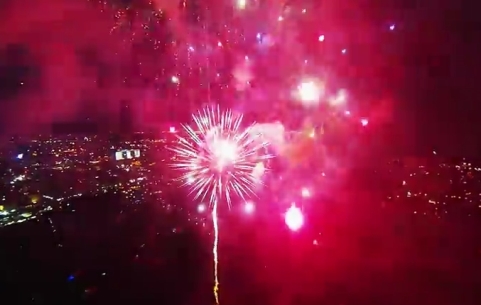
(220, 158)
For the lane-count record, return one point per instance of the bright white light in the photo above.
(249, 207)
(294, 218)
(225, 153)
(305, 192)
(172, 129)
(241, 4)
(201, 208)
(321, 38)
(364, 122)
(190, 180)
(309, 92)
(392, 27)
(344, 51)
(175, 79)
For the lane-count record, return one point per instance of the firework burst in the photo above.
(219, 159)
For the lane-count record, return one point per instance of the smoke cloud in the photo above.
(66, 61)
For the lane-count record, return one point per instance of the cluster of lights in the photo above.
(436, 189)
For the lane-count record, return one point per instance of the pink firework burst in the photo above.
(220, 158)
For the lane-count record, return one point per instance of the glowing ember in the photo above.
(294, 218)
(249, 207)
(305, 192)
(201, 208)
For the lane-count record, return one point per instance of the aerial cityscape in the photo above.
(140, 168)
(294, 152)
(74, 187)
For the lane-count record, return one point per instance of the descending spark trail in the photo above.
(219, 159)
(214, 252)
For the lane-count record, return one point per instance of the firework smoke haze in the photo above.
(63, 58)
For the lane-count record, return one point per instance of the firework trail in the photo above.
(214, 252)
(220, 159)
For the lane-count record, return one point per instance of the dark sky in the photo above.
(441, 91)
(427, 73)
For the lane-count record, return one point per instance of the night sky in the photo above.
(58, 65)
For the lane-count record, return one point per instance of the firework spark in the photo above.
(219, 159)
(138, 21)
